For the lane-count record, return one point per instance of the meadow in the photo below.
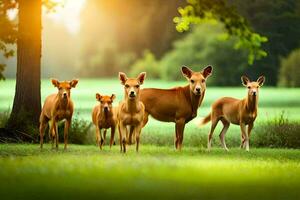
(158, 170)
(273, 103)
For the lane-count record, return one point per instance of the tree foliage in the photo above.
(198, 11)
(9, 28)
(289, 74)
(278, 20)
(8, 31)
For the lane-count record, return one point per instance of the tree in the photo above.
(198, 11)
(27, 101)
(279, 21)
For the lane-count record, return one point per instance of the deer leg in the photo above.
(43, 125)
(66, 132)
(104, 136)
(56, 136)
(52, 132)
(214, 123)
(243, 130)
(101, 139)
(123, 133)
(250, 127)
(137, 137)
(97, 136)
(179, 132)
(131, 133)
(112, 136)
(120, 137)
(223, 132)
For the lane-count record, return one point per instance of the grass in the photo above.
(157, 171)
(84, 172)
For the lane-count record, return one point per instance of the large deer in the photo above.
(240, 112)
(57, 107)
(179, 104)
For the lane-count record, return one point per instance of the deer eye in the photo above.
(137, 86)
(127, 86)
(192, 81)
(203, 80)
(248, 87)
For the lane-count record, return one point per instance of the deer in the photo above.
(104, 117)
(57, 107)
(235, 111)
(179, 104)
(131, 110)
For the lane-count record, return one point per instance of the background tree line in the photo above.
(138, 35)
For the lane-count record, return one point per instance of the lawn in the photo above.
(84, 172)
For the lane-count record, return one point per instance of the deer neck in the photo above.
(251, 103)
(132, 105)
(63, 103)
(194, 100)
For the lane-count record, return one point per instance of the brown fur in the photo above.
(57, 107)
(179, 104)
(240, 112)
(104, 117)
(131, 110)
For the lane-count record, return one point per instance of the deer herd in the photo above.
(178, 105)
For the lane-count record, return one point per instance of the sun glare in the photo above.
(68, 14)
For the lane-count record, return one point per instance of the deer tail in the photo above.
(204, 120)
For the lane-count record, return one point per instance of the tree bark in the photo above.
(27, 101)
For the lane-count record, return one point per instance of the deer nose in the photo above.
(198, 90)
(105, 108)
(254, 93)
(65, 94)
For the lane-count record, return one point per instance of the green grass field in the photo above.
(157, 171)
(272, 102)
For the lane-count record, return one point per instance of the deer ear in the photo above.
(123, 78)
(261, 80)
(73, 83)
(112, 97)
(186, 72)
(55, 82)
(141, 77)
(245, 80)
(98, 96)
(207, 71)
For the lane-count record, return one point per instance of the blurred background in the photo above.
(98, 38)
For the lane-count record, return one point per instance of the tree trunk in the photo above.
(27, 101)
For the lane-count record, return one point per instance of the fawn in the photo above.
(104, 117)
(131, 110)
(179, 104)
(56, 108)
(240, 112)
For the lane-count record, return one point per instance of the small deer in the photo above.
(57, 107)
(240, 112)
(131, 110)
(104, 117)
(179, 104)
